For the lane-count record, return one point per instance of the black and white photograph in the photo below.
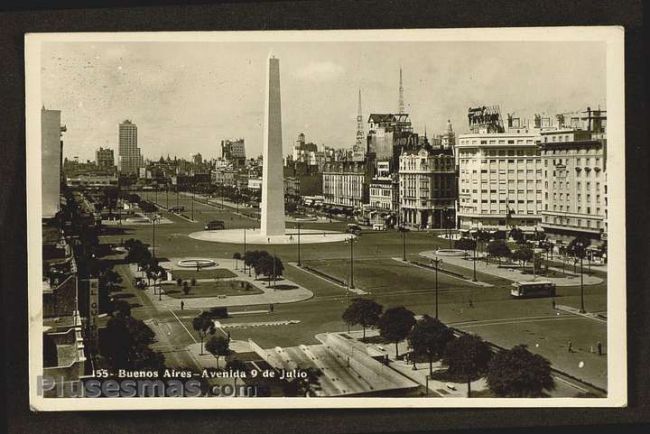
(323, 219)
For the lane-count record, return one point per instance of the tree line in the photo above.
(510, 373)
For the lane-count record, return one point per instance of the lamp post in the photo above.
(436, 263)
(351, 241)
(167, 196)
(153, 234)
(474, 261)
(299, 262)
(245, 249)
(580, 251)
(403, 232)
(193, 190)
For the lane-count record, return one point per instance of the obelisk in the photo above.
(272, 222)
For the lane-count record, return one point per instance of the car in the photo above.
(353, 229)
(450, 386)
(215, 225)
(378, 227)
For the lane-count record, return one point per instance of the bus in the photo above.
(215, 225)
(533, 289)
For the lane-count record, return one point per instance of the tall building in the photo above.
(130, 159)
(427, 188)
(389, 134)
(234, 152)
(575, 180)
(304, 152)
(500, 175)
(105, 158)
(51, 152)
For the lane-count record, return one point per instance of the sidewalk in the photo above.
(419, 375)
(269, 295)
(512, 273)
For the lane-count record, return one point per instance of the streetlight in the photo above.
(153, 235)
(436, 263)
(475, 245)
(403, 232)
(299, 263)
(249, 273)
(167, 195)
(193, 190)
(580, 251)
(351, 241)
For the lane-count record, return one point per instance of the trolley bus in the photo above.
(538, 288)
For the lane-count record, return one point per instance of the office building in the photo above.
(575, 179)
(130, 159)
(105, 158)
(51, 152)
(427, 188)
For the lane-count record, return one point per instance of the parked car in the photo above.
(378, 227)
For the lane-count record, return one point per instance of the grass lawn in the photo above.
(213, 289)
(219, 273)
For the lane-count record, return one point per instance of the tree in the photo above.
(467, 357)
(577, 247)
(518, 373)
(395, 325)
(116, 342)
(270, 266)
(303, 386)
(203, 326)
(465, 244)
(236, 365)
(236, 256)
(111, 279)
(523, 254)
(121, 308)
(498, 249)
(430, 337)
(517, 234)
(364, 312)
(218, 346)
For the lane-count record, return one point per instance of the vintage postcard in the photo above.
(326, 219)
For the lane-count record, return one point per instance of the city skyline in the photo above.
(100, 84)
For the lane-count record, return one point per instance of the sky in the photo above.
(185, 97)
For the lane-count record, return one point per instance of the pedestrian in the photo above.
(599, 345)
(471, 304)
(570, 346)
(182, 305)
(553, 303)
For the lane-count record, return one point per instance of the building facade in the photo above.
(234, 151)
(500, 180)
(345, 184)
(51, 151)
(105, 158)
(130, 159)
(427, 188)
(575, 184)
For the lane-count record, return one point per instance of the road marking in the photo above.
(519, 322)
(571, 384)
(183, 325)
